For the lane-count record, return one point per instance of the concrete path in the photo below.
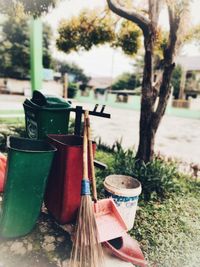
(111, 261)
(176, 137)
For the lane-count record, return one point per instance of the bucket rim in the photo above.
(42, 146)
(56, 138)
(126, 192)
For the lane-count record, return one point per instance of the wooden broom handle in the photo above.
(94, 187)
(85, 148)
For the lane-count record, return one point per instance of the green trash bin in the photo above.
(46, 115)
(28, 165)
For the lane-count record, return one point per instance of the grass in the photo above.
(18, 122)
(168, 230)
(10, 126)
(11, 112)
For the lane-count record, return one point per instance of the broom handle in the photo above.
(85, 148)
(94, 187)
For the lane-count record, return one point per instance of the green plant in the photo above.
(104, 147)
(158, 177)
(10, 127)
(169, 230)
(104, 154)
(126, 81)
(128, 38)
(176, 80)
(15, 51)
(72, 90)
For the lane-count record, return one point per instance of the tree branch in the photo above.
(154, 11)
(174, 23)
(139, 19)
(165, 88)
(156, 85)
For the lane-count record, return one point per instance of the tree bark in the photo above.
(150, 119)
(142, 21)
(147, 139)
(147, 134)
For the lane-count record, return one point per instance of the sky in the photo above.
(103, 61)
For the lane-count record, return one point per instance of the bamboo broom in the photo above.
(94, 187)
(86, 251)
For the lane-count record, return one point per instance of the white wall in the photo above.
(20, 86)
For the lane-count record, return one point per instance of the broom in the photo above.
(94, 187)
(86, 251)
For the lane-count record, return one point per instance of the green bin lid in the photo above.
(52, 101)
(49, 101)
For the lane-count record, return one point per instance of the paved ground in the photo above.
(176, 137)
(46, 246)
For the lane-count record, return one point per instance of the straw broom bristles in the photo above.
(86, 251)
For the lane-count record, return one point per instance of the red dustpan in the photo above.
(126, 249)
(110, 223)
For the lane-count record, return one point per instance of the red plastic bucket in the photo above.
(62, 197)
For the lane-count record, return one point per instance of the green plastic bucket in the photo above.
(28, 166)
(46, 114)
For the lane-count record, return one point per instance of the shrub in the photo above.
(72, 90)
(8, 128)
(104, 147)
(158, 177)
(176, 80)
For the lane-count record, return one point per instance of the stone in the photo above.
(29, 247)
(18, 248)
(60, 239)
(65, 263)
(48, 247)
(4, 249)
(49, 239)
(43, 229)
(58, 262)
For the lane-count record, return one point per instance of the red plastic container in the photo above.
(62, 197)
(108, 217)
(3, 161)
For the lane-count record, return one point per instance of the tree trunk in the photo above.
(150, 119)
(147, 139)
(147, 134)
